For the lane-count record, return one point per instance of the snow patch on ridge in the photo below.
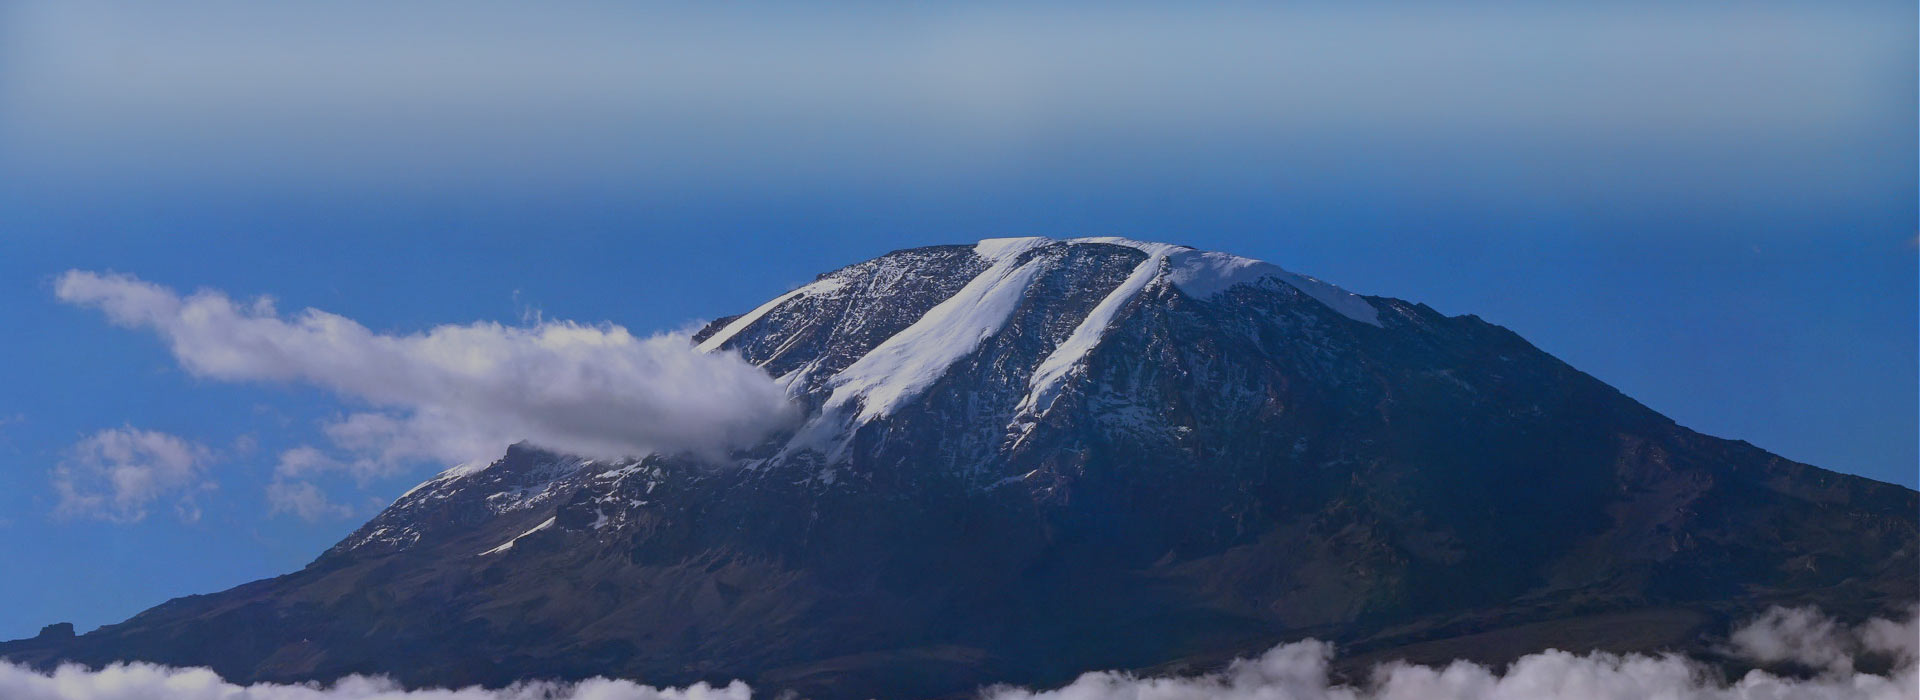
(1204, 274)
(455, 472)
(907, 363)
(826, 285)
(1199, 274)
(999, 249)
(1045, 384)
(516, 538)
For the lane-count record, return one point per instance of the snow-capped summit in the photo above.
(1026, 458)
(955, 300)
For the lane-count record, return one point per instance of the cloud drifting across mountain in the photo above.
(456, 392)
(1296, 671)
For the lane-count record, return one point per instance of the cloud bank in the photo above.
(1297, 671)
(118, 473)
(456, 392)
(1804, 637)
(1800, 637)
(151, 682)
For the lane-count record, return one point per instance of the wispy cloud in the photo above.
(304, 500)
(292, 493)
(457, 392)
(6, 424)
(118, 473)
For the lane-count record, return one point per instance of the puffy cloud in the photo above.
(116, 474)
(1799, 635)
(459, 392)
(1297, 671)
(1805, 637)
(1897, 640)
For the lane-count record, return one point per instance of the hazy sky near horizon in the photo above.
(1711, 207)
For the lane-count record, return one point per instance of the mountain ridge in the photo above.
(1063, 456)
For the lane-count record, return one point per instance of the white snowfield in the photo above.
(458, 471)
(1204, 274)
(816, 288)
(1045, 384)
(897, 370)
(902, 366)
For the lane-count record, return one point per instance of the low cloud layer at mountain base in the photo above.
(457, 392)
(1296, 671)
(151, 682)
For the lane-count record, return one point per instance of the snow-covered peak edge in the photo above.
(1196, 273)
(1204, 274)
(822, 286)
(1001, 249)
(903, 365)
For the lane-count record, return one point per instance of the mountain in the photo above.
(1027, 458)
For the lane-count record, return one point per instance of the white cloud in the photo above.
(1805, 637)
(307, 460)
(116, 474)
(457, 393)
(1297, 671)
(1800, 635)
(303, 499)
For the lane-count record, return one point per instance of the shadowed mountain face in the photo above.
(1025, 459)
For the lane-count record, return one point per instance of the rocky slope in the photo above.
(1027, 458)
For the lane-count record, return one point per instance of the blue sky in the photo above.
(1712, 208)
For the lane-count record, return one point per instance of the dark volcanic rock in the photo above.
(1028, 459)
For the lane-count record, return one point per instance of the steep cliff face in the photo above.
(1027, 458)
